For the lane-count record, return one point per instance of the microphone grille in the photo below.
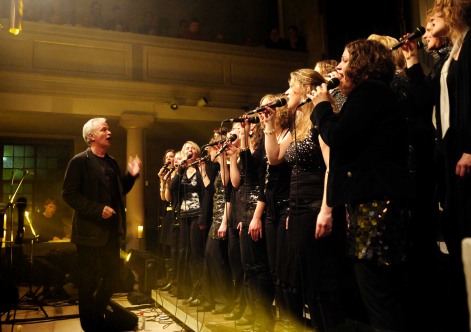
(333, 83)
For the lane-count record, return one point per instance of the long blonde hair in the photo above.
(308, 79)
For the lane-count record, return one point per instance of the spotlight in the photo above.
(202, 102)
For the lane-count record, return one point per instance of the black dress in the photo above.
(315, 265)
(252, 168)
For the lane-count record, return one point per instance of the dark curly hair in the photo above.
(369, 59)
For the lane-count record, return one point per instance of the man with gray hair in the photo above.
(94, 188)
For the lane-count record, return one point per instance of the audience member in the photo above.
(117, 22)
(295, 41)
(182, 28)
(148, 27)
(94, 19)
(275, 40)
(193, 32)
(219, 38)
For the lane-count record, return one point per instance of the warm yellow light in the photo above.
(124, 255)
(16, 16)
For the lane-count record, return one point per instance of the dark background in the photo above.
(351, 20)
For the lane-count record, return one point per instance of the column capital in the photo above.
(130, 120)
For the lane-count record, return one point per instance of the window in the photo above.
(33, 169)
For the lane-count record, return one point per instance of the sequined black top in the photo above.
(277, 184)
(189, 192)
(218, 206)
(307, 177)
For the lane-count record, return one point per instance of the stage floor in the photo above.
(63, 315)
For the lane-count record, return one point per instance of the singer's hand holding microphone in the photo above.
(184, 162)
(319, 94)
(164, 170)
(228, 142)
(329, 85)
(418, 32)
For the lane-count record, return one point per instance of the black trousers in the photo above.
(98, 276)
(216, 273)
(383, 290)
(257, 274)
(237, 294)
(192, 245)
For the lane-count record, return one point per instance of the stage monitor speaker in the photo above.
(145, 265)
(118, 318)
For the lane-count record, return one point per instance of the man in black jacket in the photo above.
(94, 188)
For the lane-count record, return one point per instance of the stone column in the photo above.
(135, 125)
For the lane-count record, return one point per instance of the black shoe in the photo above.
(205, 307)
(167, 287)
(243, 321)
(188, 300)
(223, 310)
(194, 303)
(235, 315)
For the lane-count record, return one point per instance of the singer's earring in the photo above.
(250, 133)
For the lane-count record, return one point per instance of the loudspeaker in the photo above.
(144, 264)
(117, 318)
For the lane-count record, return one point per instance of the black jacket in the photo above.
(368, 146)
(85, 191)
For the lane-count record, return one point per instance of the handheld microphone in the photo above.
(230, 139)
(254, 119)
(169, 173)
(416, 34)
(277, 103)
(184, 161)
(212, 144)
(166, 165)
(331, 84)
(205, 159)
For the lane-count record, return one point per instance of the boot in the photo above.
(169, 275)
(327, 312)
(293, 316)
